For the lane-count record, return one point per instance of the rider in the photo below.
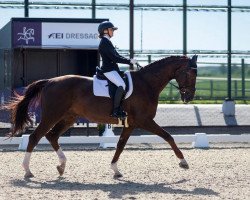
(110, 58)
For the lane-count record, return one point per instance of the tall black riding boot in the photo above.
(117, 112)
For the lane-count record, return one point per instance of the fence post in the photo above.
(243, 78)
(149, 59)
(211, 88)
(171, 92)
(235, 89)
(24, 142)
(201, 141)
(108, 133)
(93, 9)
(26, 8)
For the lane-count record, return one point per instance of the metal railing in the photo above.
(210, 90)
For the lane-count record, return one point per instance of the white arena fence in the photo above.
(197, 140)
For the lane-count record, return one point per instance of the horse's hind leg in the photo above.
(34, 138)
(156, 129)
(53, 136)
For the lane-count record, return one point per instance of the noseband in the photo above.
(183, 89)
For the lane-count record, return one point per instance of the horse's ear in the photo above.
(194, 59)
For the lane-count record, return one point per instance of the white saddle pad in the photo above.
(100, 87)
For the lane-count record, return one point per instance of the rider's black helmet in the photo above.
(105, 25)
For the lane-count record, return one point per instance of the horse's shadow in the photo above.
(115, 190)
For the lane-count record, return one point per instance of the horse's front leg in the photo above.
(151, 126)
(120, 146)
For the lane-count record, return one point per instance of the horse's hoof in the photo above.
(60, 169)
(184, 165)
(118, 175)
(28, 175)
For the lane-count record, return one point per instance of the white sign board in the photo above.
(70, 34)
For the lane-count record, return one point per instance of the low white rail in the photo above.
(214, 138)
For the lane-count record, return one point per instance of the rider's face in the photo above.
(111, 32)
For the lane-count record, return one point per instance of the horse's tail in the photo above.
(19, 106)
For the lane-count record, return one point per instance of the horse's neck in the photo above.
(159, 76)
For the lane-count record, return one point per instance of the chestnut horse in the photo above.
(65, 98)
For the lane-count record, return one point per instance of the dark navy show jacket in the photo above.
(110, 57)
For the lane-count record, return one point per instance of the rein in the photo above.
(177, 87)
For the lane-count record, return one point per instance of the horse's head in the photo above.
(186, 79)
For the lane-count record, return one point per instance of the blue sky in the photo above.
(162, 29)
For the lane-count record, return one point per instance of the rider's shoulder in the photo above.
(104, 41)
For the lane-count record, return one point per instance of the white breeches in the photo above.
(115, 78)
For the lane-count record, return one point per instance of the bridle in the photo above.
(184, 88)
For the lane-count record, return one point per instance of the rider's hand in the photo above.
(133, 61)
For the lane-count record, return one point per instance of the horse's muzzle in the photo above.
(187, 97)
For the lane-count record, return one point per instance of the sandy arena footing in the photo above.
(150, 172)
